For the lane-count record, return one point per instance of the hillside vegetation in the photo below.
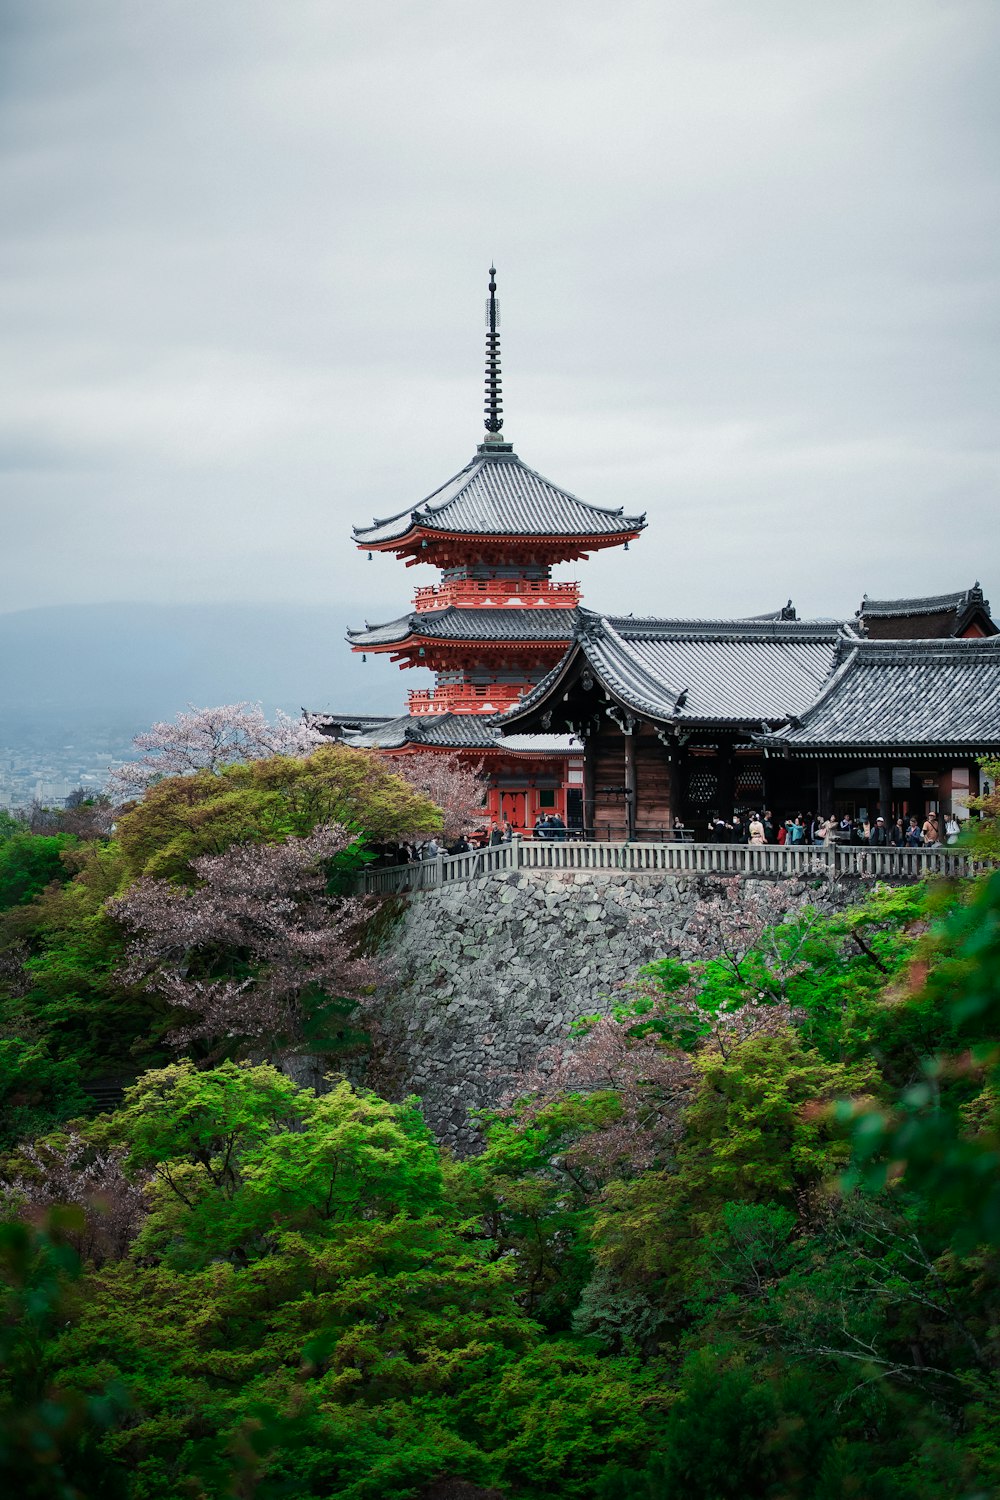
(741, 1242)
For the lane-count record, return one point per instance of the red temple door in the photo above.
(514, 807)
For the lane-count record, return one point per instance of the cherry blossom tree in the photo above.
(70, 1169)
(457, 788)
(653, 1083)
(258, 950)
(204, 739)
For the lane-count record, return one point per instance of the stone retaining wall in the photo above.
(491, 974)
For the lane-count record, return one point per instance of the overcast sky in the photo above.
(748, 274)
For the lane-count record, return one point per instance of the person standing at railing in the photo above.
(931, 832)
(757, 834)
(880, 836)
(796, 831)
(914, 838)
(541, 828)
(898, 833)
(557, 828)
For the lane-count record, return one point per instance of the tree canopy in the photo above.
(739, 1237)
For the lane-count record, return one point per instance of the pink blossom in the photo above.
(458, 789)
(241, 950)
(69, 1170)
(204, 739)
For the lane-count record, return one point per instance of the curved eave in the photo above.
(534, 700)
(452, 643)
(481, 752)
(590, 542)
(902, 750)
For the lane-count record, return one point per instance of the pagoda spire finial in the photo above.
(494, 398)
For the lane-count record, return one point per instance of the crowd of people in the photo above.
(546, 826)
(810, 828)
(743, 828)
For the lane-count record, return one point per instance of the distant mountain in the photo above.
(112, 669)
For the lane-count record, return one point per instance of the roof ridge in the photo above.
(604, 510)
(922, 603)
(932, 645)
(831, 683)
(409, 510)
(641, 670)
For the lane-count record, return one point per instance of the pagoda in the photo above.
(496, 622)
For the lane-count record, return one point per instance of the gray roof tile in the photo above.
(927, 604)
(497, 495)
(719, 671)
(907, 693)
(453, 624)
(458, 732)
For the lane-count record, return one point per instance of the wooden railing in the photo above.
(465, 698)
(701, 859)
(476, 593)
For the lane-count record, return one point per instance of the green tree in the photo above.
(28, 863)
(49, 1432)
(264, 801)
(302, 1291)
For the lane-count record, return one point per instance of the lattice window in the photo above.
(749, 785)
(703, 786)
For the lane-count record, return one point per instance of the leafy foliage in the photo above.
(29, 863)
(739, 1237)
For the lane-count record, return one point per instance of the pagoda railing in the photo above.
(498, 593)
(683, 858)
(464, 698)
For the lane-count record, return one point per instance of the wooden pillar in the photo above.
(671, 812)
(727, 778)
(630, 790)
(589, 759)
(824, 789)
(885, 792)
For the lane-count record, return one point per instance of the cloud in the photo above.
(746, 275)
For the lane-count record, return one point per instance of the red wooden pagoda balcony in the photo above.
(498, 593)
(464, 698)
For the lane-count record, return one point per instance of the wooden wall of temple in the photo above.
(604, 771)
(624, 771)
(653, 804)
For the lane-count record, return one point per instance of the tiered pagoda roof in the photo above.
(497, 621)
(456, 732)
(497, 497)
(545, 627)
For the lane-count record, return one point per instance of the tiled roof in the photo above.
(907, 693)
(497, 495)
(318, 719)
(458, 732)
(928, 604)
(742, 671)
(454, 624)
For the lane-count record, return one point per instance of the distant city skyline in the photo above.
(745, 263)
